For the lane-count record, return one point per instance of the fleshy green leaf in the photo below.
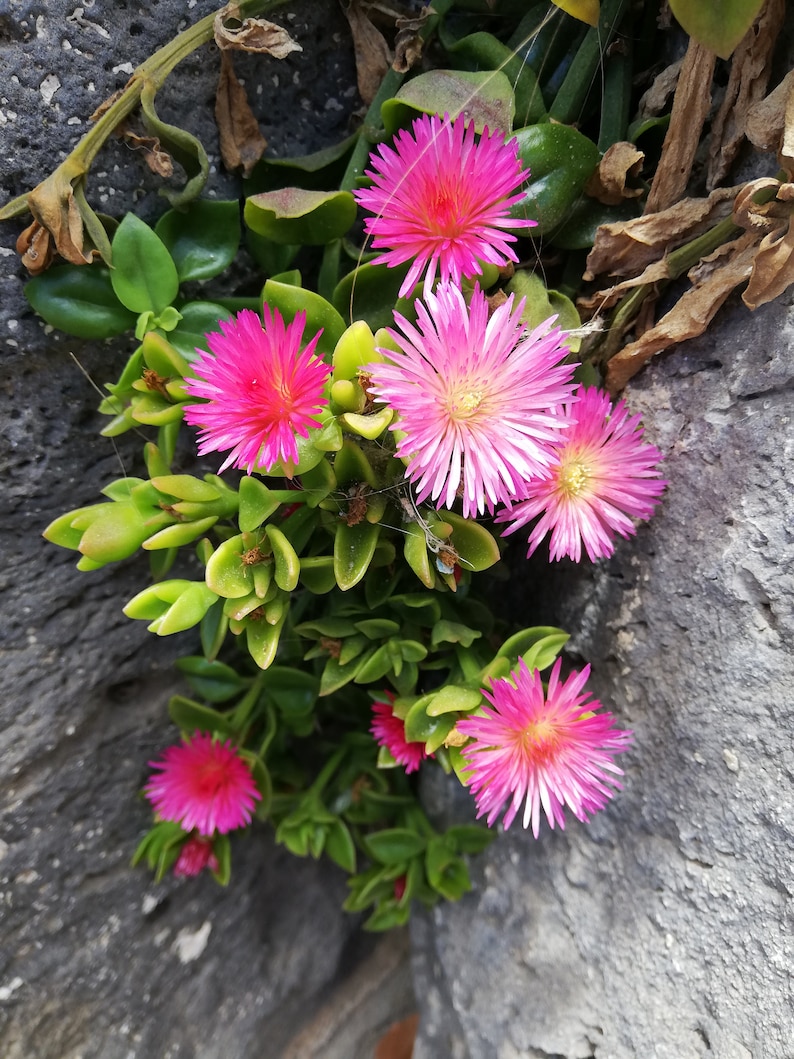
(485, 98)
(295, 215)
(144, 275)
(560, 160)
(202, 239)
(719, 24)
(80, 300)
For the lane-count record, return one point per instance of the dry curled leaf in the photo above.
(408, 43)
(608, 182)
(654, 101)
(241, 141)
(36, 248)
(690, 108)
(253, 34)
(373, 56)
(747, 83)
(691, 314)
(625, 248)
(157, 159)
(55, 208)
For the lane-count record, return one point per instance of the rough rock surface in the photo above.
(95, 960)
(662, 930)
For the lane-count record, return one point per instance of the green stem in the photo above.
(153, 70)
(330, 767)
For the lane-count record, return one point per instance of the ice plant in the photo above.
(475, 395)
(195, 855)
(204, 785)
(388, 730)
(545, 751)
(260, 389)
(604, 475)
(441, 199)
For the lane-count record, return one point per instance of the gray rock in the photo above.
(662, 928)
(96, 961)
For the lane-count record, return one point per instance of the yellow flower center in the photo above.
(464, 404)
(573, 478)
(539, 740)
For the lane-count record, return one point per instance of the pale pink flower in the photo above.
(441, 199)
(260, 388)
(204, 785)
(388, 730)
(604, 476)
(542, 751)
(195, 855)
(475, 396)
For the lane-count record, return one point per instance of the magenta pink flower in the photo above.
(195, 855)
(204, 785)
(389, 731)
(545, 751)
(260, 388)
(441, 199)
(604, 475)
(475, 396)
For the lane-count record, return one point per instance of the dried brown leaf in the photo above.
(596, 302)
(625, 248)
(691, 314)
(157, 159)
(749, 77)
(773, 268)
(765, 121)
(654, 101)
(408, 43)
(241, 140)
(253, 34)
(373, 57)
(53, 205)
(608, 182)
(690, 108)
(36, 248)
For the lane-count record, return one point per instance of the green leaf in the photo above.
(317, 574)
(202, 239)
(420, 727)
(144, 275)
(719, 24)
(354, 547)
(320, 314)
(485, 98)
(452, 699)
(538, 646)
(214, 681)
(394, 845)
(190, 716)
(370, 292)
(560, 160)
(482, 51)
(186, 149)
(80, 300)
(293, 691)
(477, 548)
(446, 872)
(469, 838)
(340, 847)
(454, 632)
(198, 320)
(295, 215)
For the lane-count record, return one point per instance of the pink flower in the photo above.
(260, 388)
(389, 731)
(203, 785)
(604, 475)
(441, 199)
(195, 855)
(475, 396)
(545, 751)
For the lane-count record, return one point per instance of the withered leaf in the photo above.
(625, 248)
(591, 304)
(253, 34)
(749, 77)
(690, 108)
(53, 205)
(36, 248)
(773, 268)
(241, 140)
(608, 182)
(766, 120)
(373, 56)
(654, 101)
(691, 314)
(157, 159)
(408, 43)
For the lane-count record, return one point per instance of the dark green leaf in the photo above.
(202, 239)
(80, 300)
(294, 215)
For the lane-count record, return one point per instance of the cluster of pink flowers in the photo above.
(488, 412)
